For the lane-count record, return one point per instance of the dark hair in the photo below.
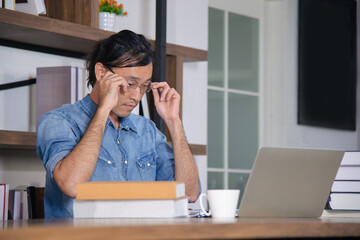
(123, 49)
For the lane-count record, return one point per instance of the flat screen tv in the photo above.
(327, 64)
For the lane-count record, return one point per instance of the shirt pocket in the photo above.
(105, 169)
(147, 166)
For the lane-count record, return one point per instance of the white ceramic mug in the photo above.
(223, 202)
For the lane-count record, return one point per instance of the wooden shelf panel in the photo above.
(52, 33)
(17, 140)
(197, 149)
(27, 141)
(48, 32)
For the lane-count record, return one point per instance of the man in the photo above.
(99, 139)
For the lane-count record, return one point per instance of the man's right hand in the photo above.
(110, 86)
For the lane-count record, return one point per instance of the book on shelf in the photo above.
(130, 190)
(22, 191)
(4, 201)
(351, 158)
(131, 208)
(56, 86)
(14, 205)
(34, 7)
(8, 4)
(35, 197)
(346, 186)
(24, 205)
(344, 201)
(348, 173)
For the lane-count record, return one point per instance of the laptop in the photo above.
(290, 182)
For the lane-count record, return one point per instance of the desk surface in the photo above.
(180, 228)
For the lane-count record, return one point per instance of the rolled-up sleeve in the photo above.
(55, 140)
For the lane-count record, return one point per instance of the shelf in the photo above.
(197, 149)
(17, 140)
(60, 35)
(42, 33)
(27, 141)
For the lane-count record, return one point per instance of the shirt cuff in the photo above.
(50, 165)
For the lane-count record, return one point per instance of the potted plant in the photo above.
(108, 10)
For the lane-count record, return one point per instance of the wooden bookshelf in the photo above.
(17, 140)
(27, 141)
(60, 35)
(26, 29)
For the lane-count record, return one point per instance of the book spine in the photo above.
(31, 196)
(4, 201)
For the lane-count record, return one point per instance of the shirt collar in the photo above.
(128, 123)
(89, 106)
(90, 109)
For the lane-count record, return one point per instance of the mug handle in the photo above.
(202, 206)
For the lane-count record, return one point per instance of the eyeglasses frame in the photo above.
(137, 86)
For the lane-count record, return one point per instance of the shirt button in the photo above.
(118, 142)
(148, 164)
(125, 162)
(109, 162)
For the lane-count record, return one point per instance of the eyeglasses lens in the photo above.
(144, 88)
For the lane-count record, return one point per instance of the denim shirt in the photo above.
(138, 151)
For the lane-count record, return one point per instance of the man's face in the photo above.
(127, 101)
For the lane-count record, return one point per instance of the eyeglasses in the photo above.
(144, 88)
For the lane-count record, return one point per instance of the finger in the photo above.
(160, 85)
(119, 81)
(106, 75)
(156, 95)
(171, 94)
(164, 93)
(124, 84)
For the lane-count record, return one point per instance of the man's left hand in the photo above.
(167, 103)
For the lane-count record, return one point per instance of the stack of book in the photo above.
(131, 200)
(345, 192)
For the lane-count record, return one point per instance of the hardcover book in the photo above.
(130, 190)
(56, 86)
(348, 173)
(346, 186)
(14, 205)
(139, 208)
(351, 158)
(344, 201)
(4, 201)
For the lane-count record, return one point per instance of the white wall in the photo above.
(185, 26)
(17, 105)
(281, 86)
